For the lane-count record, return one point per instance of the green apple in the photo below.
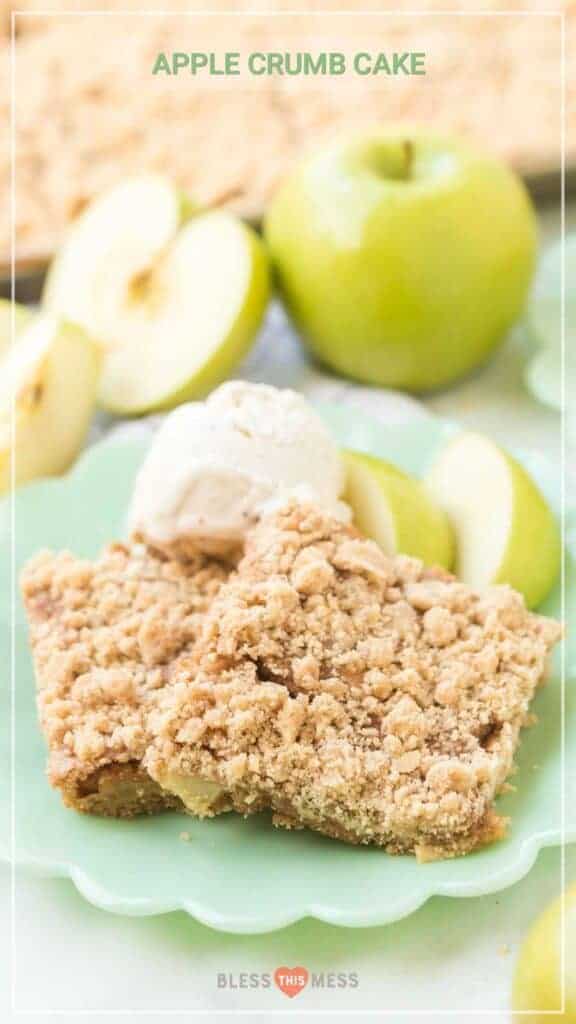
(403, 257)
(395, 510)
(505, 530)
(537, 981)
(48, 384)
(175, 296)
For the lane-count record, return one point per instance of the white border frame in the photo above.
(561, 15)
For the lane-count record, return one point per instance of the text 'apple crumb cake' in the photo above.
(88, 109)
(367, 697)
(106, 637)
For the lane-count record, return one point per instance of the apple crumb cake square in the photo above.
(366, 697)
(106, 637)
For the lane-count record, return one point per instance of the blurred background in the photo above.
(89, 112)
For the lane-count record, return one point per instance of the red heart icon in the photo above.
(291, 980)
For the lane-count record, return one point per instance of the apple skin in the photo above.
(537, 532)
(420, 528)
(237, 344)
(53, 409)
(537, 983)
(528, 555)
(402, 257)
(119, 276)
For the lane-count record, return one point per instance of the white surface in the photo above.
(451, 955)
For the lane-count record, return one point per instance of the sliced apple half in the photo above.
(505, 530)
(48, 383)
(395, 510)
(175, 296)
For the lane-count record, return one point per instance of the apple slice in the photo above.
(48, 382)
(505, 530)
(176, 299)
(395, 510)
(537, 992)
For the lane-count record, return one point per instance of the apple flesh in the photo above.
(403, 257)
(175, 296)
(48, 383)
(505, 530)
(395, 510)
(537, 981)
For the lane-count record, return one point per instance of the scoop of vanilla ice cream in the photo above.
(216, 467)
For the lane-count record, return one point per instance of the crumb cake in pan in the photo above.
(106, 637)
(366, 697)
(86, 119)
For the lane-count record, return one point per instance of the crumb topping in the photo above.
(106, 636)
(366, 696)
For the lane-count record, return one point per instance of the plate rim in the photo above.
(263, 920)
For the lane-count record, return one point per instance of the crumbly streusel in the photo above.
(369, 698)
(106, 637)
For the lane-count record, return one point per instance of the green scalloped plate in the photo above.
(232, 874)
